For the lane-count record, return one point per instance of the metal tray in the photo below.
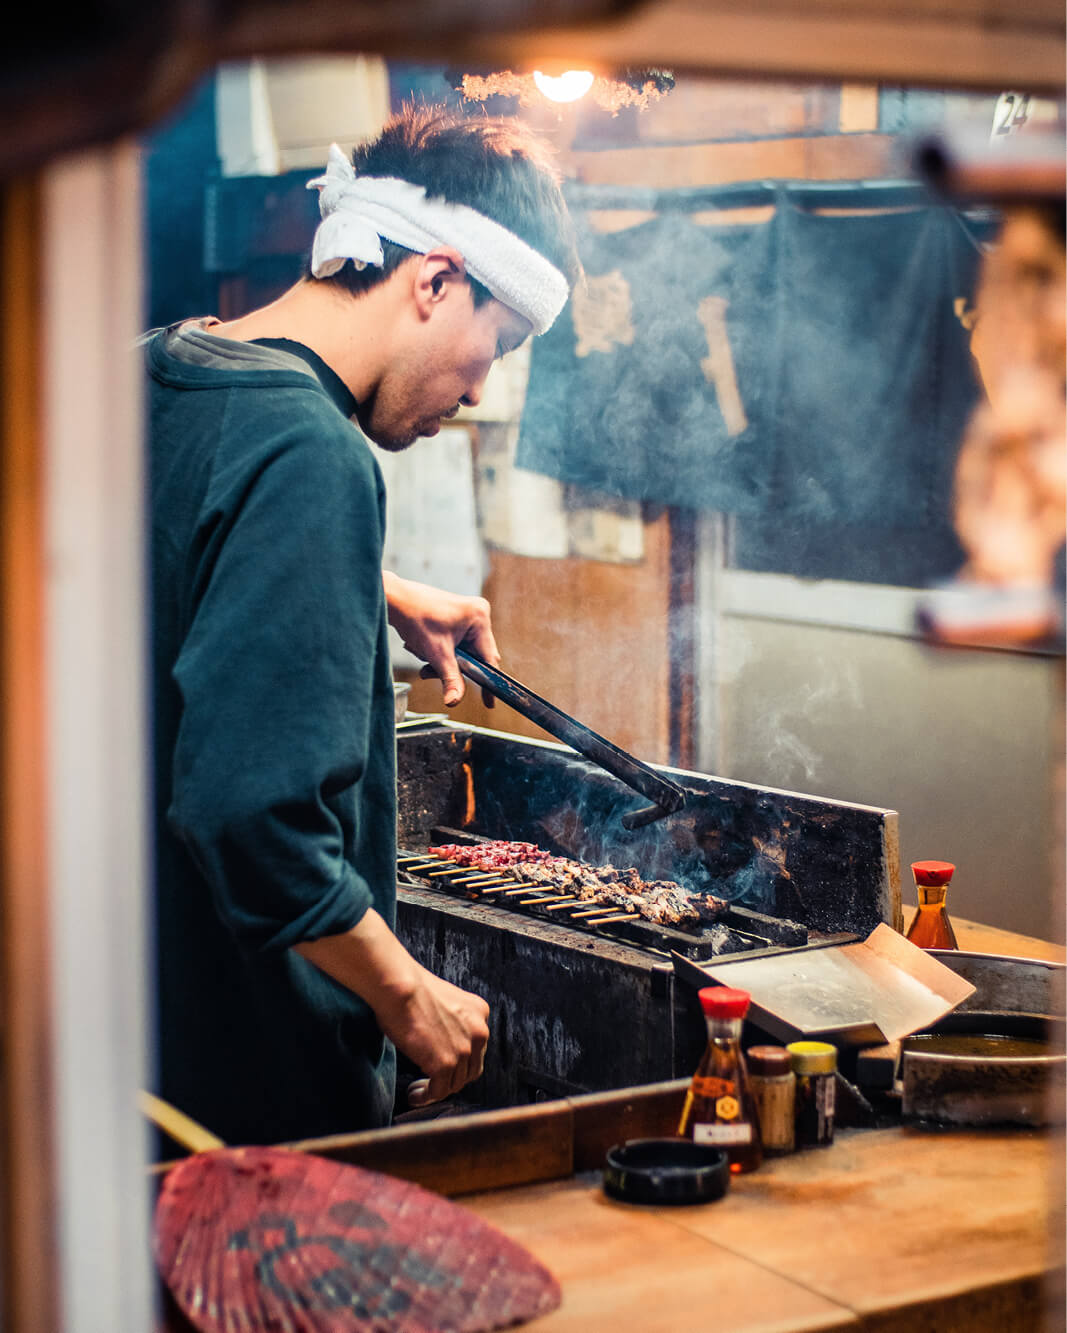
(862, 993)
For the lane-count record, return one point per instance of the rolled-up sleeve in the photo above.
(276, 677)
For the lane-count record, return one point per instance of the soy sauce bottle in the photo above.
(931, 927)
(719, 1108)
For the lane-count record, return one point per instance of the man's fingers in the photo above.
(453, 687)
(468, 1070)
(451, 681)
(447, 1082)
(426, 1091)
(477, 1062)
(444, 666)
(479, 639)
(481, 642)
(440, 1087)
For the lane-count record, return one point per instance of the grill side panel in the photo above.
(569, 1013)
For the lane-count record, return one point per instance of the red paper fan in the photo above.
(262, 1239)
(258, 1239)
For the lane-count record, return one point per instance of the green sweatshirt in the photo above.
(275, 762)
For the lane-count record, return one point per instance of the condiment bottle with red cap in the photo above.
(931, 928)
(719, 1108)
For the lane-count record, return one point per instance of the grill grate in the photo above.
(739, 931)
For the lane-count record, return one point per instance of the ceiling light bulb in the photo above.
(567, 87)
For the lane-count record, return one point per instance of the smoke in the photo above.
(717, 845)
(777, 743)
(785, 753)
(780, 700)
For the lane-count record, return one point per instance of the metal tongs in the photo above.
(668, 796)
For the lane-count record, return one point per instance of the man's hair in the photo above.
(496, 166)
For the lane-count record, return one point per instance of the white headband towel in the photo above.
(358, 211)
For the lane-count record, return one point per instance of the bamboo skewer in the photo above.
(422, 720)
(491, 882)
(181, 1128)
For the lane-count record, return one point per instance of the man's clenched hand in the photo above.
(444, 1030)
(441, 1028)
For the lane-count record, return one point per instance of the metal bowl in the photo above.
(1014, 997)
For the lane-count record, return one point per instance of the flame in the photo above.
(567, 87)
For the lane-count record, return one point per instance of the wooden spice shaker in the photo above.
(773, 1085)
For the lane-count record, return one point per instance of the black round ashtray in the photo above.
(666, 1171)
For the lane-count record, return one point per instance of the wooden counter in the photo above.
(898, 1230)
(973, 937)
(888, 1229)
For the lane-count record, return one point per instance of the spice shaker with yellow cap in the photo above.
(815, 1066)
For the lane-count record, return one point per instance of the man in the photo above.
(282, 987)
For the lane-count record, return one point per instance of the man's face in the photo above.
(440, 368)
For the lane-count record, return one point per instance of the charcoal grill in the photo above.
(590, 1003)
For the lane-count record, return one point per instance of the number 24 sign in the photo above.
(1010, 114)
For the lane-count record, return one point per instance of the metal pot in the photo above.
(1014, 997)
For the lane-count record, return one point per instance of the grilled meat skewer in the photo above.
(662, 901)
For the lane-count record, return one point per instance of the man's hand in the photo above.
(442, 1028)
(432, 622)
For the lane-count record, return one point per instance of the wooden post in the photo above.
(682, 637)
(27, 1150)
